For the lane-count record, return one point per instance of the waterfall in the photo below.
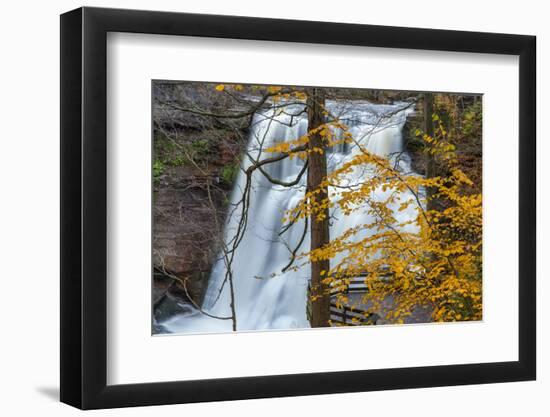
(265, 297)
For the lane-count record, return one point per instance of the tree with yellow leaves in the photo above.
(432, 260)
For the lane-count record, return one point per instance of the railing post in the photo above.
(344, 315)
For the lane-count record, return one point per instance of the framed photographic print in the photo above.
(293, 207)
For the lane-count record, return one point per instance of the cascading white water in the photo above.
(265, 297)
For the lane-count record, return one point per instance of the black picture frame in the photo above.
(84, 207)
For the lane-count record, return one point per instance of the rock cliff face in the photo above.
(189, 211)
(195, 163)
(183, 225)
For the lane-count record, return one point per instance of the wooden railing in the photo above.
(356, 284)
(350, 316)
(342, 314)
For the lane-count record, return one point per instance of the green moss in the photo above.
(158, 170)
(229, 173)
(201, 148)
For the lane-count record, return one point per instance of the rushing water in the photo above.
(266, 298)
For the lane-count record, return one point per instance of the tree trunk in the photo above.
(317, 172)
(430, 158)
